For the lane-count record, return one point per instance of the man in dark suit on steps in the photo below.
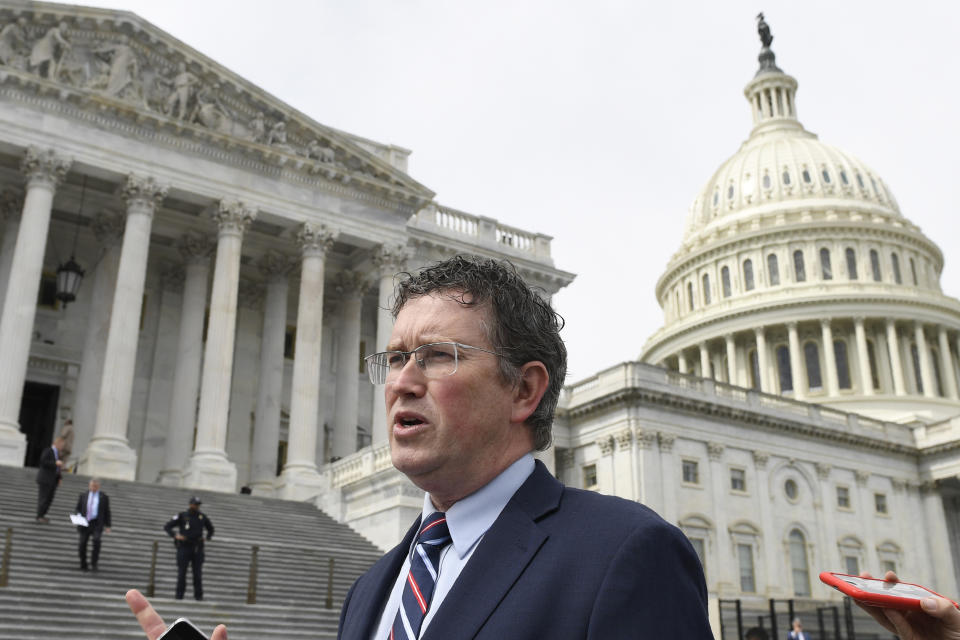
(94, 505)
(48, 478)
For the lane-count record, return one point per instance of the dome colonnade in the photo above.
(799, 275)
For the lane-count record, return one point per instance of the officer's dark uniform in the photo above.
(191, 524)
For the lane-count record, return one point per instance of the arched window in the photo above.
(786, 177)
(773, 271)
(872, 358)
(706, 289)
(843, 177)
(811, 356)
(766, 180)
(875, 265)
(725, 281)
(783, 369)
(754, 370)
(895, 261)
(690, 295)
(826, 175)
(825, 270)
(851, 263)
(730, 192)
(798, 269)
(798, 564)
(913, 271)
(716, 196)
(748, 274)
(806, 176)
(860, 181)
(843, 365)
(918, 377)
(935, 365)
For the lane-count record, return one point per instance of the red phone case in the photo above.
(876, 599)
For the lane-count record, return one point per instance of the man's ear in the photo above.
(529, 389)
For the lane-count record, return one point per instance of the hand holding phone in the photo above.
(879, 593)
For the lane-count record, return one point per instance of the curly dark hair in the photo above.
(524, 326)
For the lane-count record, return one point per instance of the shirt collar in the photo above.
(470, 517)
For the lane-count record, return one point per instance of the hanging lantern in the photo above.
(69, 277)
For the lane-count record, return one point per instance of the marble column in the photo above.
(731, 359)
(109, 453)
(195, 248)
(720, 488)
(682, 362)
(275, 267)
(830, 357)
(44, 170)
(208, 466)
(926, 370)
(350, 286)
(796, 372)
(108, 229)
(704, 361)
(300, 479)
(893, 344)
(937, 538)
(11, 207)
(863, 356)
(946, 365)
(388, 262)
(762, 362)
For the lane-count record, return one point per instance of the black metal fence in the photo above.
(821, 620)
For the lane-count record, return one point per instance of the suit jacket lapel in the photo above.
(501, 557)
(367, 603)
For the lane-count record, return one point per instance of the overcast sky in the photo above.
(598, 122)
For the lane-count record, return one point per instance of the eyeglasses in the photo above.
(435, 359)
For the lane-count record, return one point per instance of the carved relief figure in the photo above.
(183, 84)
(124, 69)
(213, 114)
(48, 52)
(258, 128)
(318, 152)
(278, 136)
(13, 44)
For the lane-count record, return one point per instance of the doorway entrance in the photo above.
(38, 418)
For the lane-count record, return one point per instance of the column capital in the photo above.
(859, 320)
(823, 470)
(348, 283)
(172, 278)
(565, 458)
(195, 247)
(792, 325)
(760, 459)
(624, 439)
(233, 216)
(11, 204)
(646, 438)
(44, 167)
(390, 259)
(760, 331)
(275, 265)
(825, 323)
(862, 477)
(250, 295)
(715, 450)
(142, 192)
(606, 445)
(666, 441)
(315, 239)
(108, 227)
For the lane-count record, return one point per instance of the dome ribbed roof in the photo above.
(781, 165)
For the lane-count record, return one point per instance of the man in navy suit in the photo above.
(94, 505)
(48, 477)
(472, 375)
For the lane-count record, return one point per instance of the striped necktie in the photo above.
(418, 589)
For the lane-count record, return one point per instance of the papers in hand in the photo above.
(79, 520)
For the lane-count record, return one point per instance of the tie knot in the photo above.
(434, 530)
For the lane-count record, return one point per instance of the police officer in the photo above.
(189, 541)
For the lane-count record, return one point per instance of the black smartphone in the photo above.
(182, 629)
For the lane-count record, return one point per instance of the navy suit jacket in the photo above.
(47, 470)
(557, 563)
(103, 510)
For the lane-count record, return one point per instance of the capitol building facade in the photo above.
(797, 412)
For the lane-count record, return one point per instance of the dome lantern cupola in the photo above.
(771, 92)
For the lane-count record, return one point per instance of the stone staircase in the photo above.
(49, 597)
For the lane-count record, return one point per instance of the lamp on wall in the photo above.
(69, 273)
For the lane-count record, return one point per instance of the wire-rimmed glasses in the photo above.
(435, 359)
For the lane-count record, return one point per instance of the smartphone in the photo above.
(182, 629)
(879, 593)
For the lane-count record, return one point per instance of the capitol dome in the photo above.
(798, 275)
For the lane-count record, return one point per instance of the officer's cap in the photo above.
(195, 500)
